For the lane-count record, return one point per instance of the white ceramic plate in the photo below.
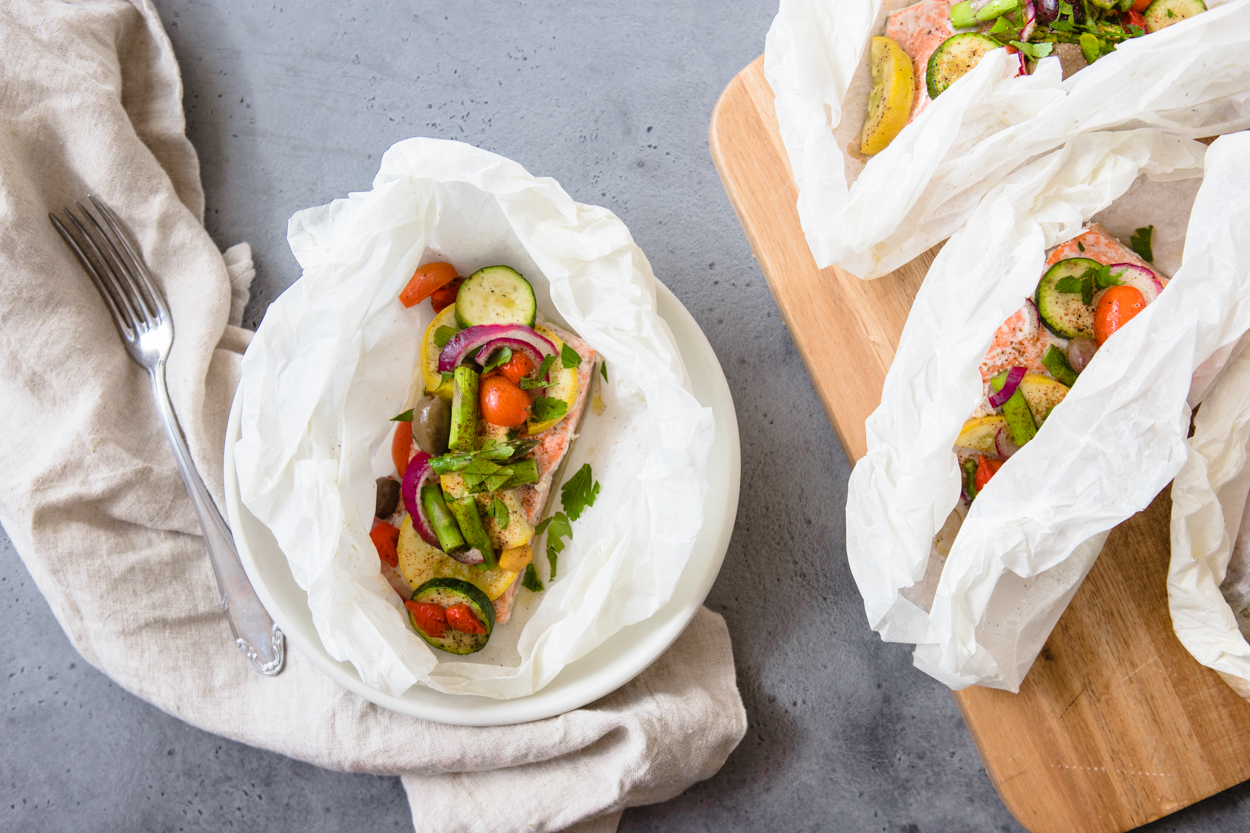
(603, 670)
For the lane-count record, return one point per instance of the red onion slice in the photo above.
(415, 476)
(514, 344)
(1004, 444)
(487, 338)
(1009, 387)
(1140, 278)
(1032, 319)
(1030, 18)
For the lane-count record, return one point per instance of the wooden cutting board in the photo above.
(1115, 725)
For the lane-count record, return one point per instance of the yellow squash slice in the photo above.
(427, 363)
(419, 562)
(978, 433)
(889, 103)
(563, 387)
(1042, 393)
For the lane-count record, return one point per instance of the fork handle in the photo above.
(254, 631)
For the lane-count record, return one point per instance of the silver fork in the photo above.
(147, 330)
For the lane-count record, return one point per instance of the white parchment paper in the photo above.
(1209, 575)
(333, 360)
(982, 614)
(871, 216)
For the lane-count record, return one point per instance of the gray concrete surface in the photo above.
(290, 104)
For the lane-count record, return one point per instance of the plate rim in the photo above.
(660, 630)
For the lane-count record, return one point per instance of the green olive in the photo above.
(431, 424)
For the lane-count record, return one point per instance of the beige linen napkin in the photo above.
(91, 102)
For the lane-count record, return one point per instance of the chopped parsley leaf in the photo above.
(579, 492)
(1140, 243)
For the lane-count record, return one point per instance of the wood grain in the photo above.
(1115, 725)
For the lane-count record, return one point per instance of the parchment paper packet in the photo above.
(871, 216)
(333, 359)
(1209, 574)
(981, 613)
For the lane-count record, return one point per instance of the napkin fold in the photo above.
(93, 503)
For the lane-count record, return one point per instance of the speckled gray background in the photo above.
(291, 104)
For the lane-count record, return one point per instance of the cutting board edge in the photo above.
(846, 442)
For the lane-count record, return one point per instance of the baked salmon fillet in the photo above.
(552, 450)
(920, 29)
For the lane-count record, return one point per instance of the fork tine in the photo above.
(122, 269)
(139, 266)
(121, 297)
(123, 320)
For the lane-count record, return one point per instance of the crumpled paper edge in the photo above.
(1208, 501)
(584, 293)
(908, 482)
(924, 186)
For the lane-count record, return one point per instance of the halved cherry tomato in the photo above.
(1117, 306)
(461, 618)
(1133, 16)
(517, 368)
(445, 296)
(425, 280)
(401, 446)
(985, 470)
(431, 618)
(1140, 6)
(502, 402)
(386, 539)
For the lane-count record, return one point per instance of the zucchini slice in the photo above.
(1064, 313)
(953, 58)
(495, 295)
(446, 592)
(1163, 13)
